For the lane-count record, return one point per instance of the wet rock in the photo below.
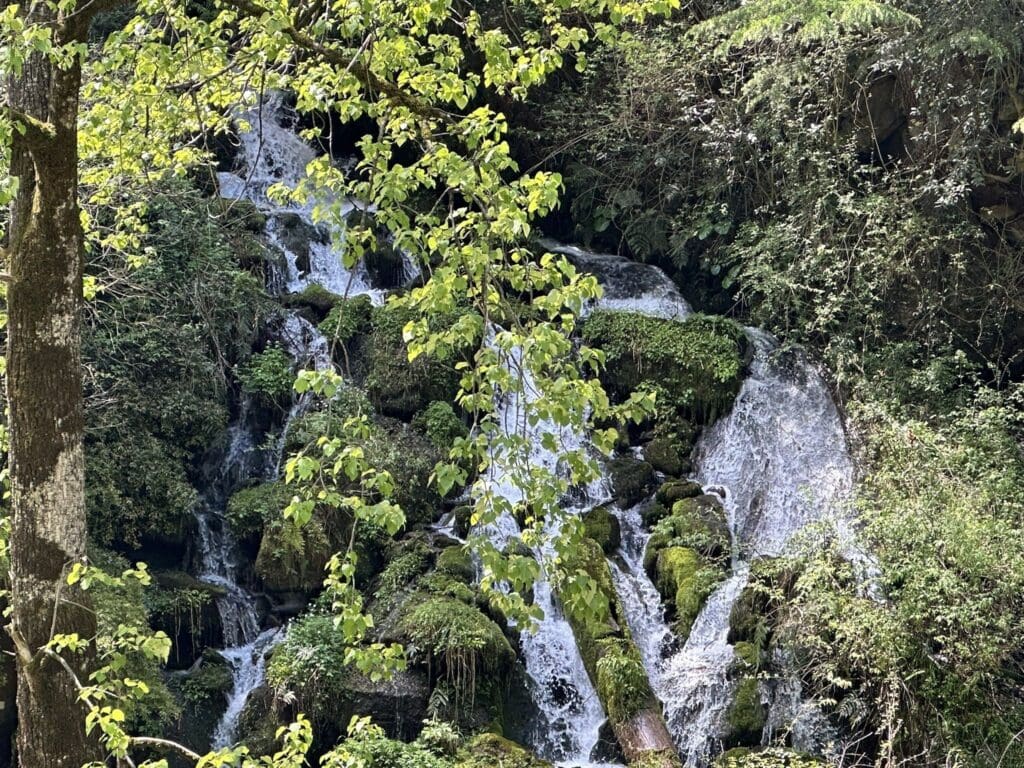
(203, 691)
(672, 491)
(297, 235)
(185, 609)
(632, 480)
(746, 716)
(668, 457)
(603, 527)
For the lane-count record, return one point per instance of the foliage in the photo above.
(157, 366)
(772, 757)
(693, 366)
(311, 663)
(439, 422)
(460, 639)
(622, 679)
(250, 509)
(269, 374)
(932, 668)
(347, 319)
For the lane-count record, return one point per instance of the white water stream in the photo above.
(271, 153)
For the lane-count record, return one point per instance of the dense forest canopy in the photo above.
(432, 383)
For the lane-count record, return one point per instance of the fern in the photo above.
(806, 21)
(647, 235)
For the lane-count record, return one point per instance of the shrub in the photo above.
(439, 422)
(270, 374)
(694, 366)
(347, 319)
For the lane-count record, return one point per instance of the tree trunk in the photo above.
(48, 528)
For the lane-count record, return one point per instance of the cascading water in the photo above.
(781, 460)
(271, 153)
(569, 711)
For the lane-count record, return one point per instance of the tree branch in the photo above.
(36, 131)
(369, 80)
(153, 741)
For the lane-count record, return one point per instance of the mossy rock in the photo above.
(249, 509)
(489, 750)
(397, 386)
(440, 424)
(456, 637)
(768, 588)
(632, 480)
(685, 580)
(697, 523)
(203, 693)
(695, 366)
(346, 319)
(746, 716)
(667, 456)
(603, 527)
(315, 299)
(653, 513)
(622, 682)
(457, 563)
(294, 558)
(672, 491)
(747, 656)
(769, 757)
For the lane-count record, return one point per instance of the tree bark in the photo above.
(48, 526)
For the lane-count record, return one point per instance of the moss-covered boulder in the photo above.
(686, 557)
(203, 692)
(746, 717)
(614, 664)
(632, 480)
(603, 526)
(489, 750)
(457, 563)
(346, 319)
(653, 512)
(685, 580)
(694, 366)
(672, 491)
(293, 558)
(250, 509)
(397, 386)
(314, 302)
(667, 456)
(185, 609)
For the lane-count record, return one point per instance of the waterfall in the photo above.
(569, 711)
(271, 153)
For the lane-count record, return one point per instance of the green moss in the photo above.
(747, 654)
(602, 526)
(694, 366)
(442, 426)
(667, 457)
(294, 558)
(347, 319)
(696, 523)
(457, 637)
(746, 716)
(463, 516)
(315, 298)
(489, 750)
(249, 509)
(411, 561)
(397, 386)
(210, 684)
(457, 563)
(675, 490)
(632, 480)
(685, 580)
(622, 680)
(771, 757)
